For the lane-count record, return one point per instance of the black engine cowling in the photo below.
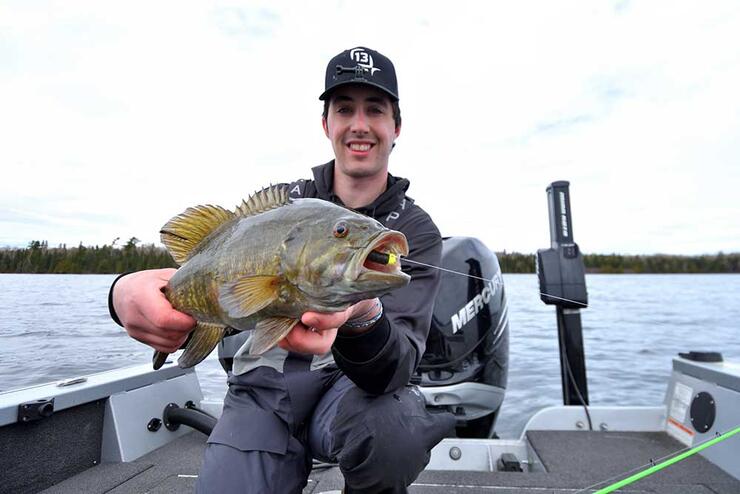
(469, 336)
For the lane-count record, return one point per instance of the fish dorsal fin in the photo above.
(268, 198)
(248, 294)
(186, 230)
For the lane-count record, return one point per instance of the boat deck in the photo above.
(573, 461)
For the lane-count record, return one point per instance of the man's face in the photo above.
(361, 128)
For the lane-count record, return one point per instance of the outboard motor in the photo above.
(465, 366)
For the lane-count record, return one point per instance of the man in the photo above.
(336, 388)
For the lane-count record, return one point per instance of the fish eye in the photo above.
(341, 229)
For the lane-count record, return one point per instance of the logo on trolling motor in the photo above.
(468, 311)
(563, 215)
(363, 59)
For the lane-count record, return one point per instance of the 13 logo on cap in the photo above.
(363, 59)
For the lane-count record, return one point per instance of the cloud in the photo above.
(250, 22)
(133, 113)
(24, 218)
(563, 124)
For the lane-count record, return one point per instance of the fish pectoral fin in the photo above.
(205, 337)
(248, 294)
(269, 331)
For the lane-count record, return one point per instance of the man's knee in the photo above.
(375, 459)
(390, 440)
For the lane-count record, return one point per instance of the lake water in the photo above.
(54, 327)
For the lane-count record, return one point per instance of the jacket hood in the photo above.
(394, 194)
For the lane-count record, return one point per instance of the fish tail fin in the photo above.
(204, 339)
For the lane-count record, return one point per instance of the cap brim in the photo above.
(326, 93)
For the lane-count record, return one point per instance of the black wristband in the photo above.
(364, 347)
(111, 310)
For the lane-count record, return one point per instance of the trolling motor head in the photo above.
(560, 269)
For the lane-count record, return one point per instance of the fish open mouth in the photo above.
(381, 259)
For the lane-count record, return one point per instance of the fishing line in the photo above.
(564, 299)
(492, 282)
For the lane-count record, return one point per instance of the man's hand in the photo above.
(146, 313)
(316, 332)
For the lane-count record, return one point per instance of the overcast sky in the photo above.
(115, 116)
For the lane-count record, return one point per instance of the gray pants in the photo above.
(273, 424)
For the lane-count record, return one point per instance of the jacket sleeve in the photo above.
(384, 358)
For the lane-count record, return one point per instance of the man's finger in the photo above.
(158, 343)
(304, 340)
(323, 321)
(161, 314)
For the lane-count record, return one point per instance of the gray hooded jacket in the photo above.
(384, 358)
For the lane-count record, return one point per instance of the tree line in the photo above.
(515, 262)
(38, 257)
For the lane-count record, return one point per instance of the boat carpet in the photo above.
(172, 468)
(596, 456)
(574, 460)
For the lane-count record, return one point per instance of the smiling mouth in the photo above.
(360, 146)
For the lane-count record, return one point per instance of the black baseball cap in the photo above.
(361, 65)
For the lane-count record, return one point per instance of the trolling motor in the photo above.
(562, 277)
